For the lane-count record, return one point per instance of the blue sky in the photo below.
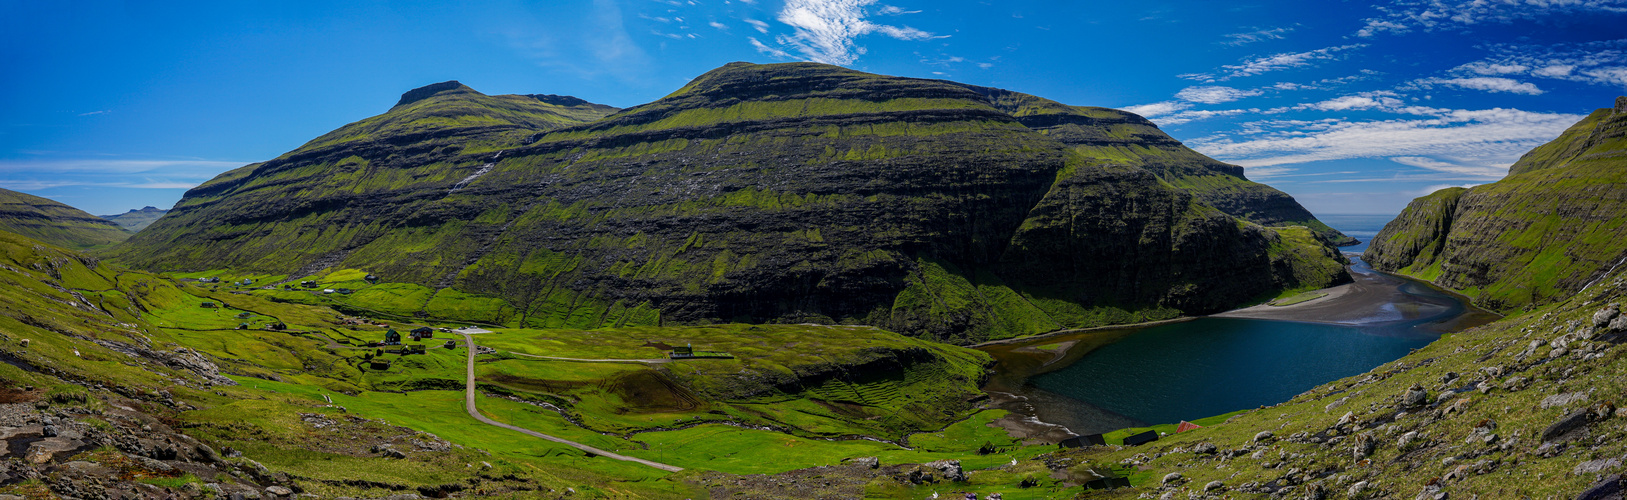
(1352, 107)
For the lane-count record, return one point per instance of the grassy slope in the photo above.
(810, 381)
(55, 223)
(1535, 237)
(1526, 360)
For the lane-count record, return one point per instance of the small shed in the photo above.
(371, 278)
(379, 364)
(209, 305)
(683, 352)
(392, 338)
(345, 291)
(243, 315)
(450, 344)
(308, 284)
(1186, 426)
(1141, 439)
(1082, 441)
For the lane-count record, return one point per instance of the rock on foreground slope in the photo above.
(1554, 225)
(787, 192)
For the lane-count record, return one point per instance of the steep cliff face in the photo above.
(788, 192)
(55, 223)
(1551, 227)
(1117, 137)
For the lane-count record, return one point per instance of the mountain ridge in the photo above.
(788, 192)
(1538, 235)
(56, 223)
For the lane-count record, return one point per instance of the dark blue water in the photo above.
(1361, 227)
(1210, 366)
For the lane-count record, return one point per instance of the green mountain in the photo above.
(136, 220)
(762, 193)
(1550, 228)
(55, 223)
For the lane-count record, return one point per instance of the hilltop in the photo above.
(1539, 235)
(763, 193)
(55, 223)
(136, 220)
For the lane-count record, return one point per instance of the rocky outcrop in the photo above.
(759, 193)
(1541, 234)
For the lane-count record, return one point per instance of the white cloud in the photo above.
(825, 30)
(764, 48)
(719, 25)
(1258, 35)
(193, 169)
(1356, 102)
(889, 10)
(1404, 16)
(1214, 94)
(761, 27)
(1157, 109)
(1488, 138)
(1277, 62)
(1486, 83)
(1492, 171)
(1201, 114)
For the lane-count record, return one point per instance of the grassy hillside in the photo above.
(1537, 236)
(266, 394)
(55, 223)
(756, 193)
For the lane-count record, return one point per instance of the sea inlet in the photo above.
(1102, 380)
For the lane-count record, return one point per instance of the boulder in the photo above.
(1263, 436)
(950, 469)
(1171, 478)
(1565, 425)
(278, 491)
(1609, 488)
(1604, 316)
(1204, 449)
(1213, 485)
(1415, 395)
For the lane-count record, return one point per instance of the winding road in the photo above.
(469, 403)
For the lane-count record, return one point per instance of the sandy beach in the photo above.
(1374, 298)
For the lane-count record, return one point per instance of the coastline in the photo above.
(1372, 299)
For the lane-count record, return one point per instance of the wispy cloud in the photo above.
(1486, 83)
(1214, 94)
(1405, 16)
(764, 48)
(1258, 35)
(890, 10)
(1157, 109)
(181, 168)
(1490, 171)
(761, 27)
(1271, 63)
(1475, 137)
(1596, 63)
(93, 113)
(599, 44)
(718, 25)
(825, 30)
